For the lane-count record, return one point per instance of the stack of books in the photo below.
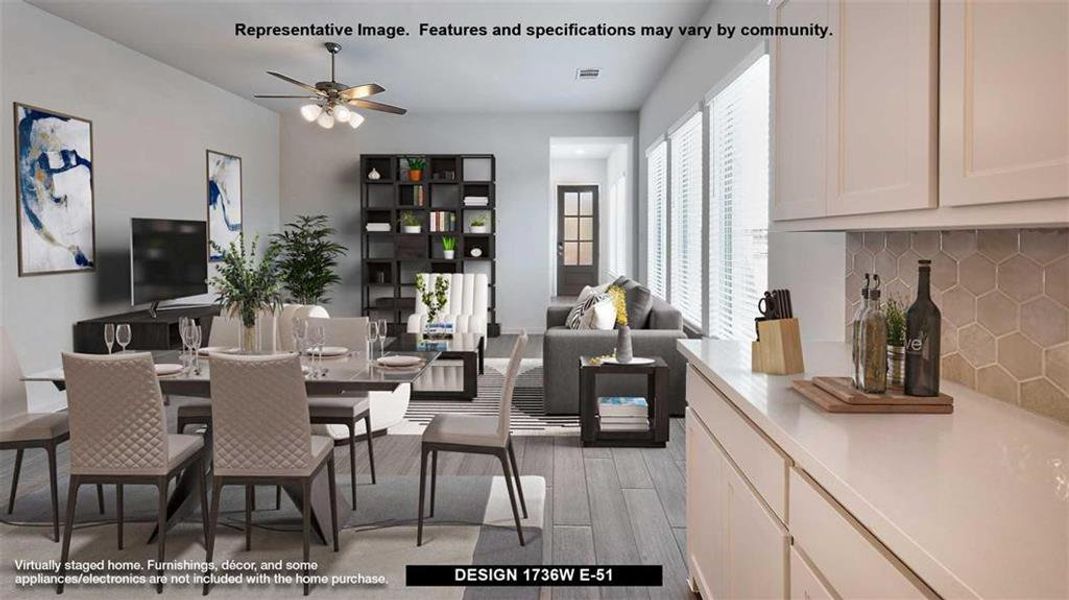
(378, 227)
(417, 195)
(476, 201)
(623, 413)
(443, 221)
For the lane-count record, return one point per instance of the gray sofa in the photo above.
(562, 348)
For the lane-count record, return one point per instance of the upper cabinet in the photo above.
(1004, 102)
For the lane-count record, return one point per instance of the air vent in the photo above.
(584, 74)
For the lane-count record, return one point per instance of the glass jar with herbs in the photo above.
(896, 342)
(873, 345)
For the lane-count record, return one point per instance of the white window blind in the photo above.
(686, 220)
(657, 220)
(618, 234)
(738, 174)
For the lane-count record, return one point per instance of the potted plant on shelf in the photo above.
(307, 258)
(415, 168)
(478, 224)
(449, 247)
(434, 300)
(410, 223)
(896, 342)
(247, 285)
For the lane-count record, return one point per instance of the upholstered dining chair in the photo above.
(476, 434)
(119, 436)
(262, 436)
(21, 430)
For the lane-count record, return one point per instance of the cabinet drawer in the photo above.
(805, 583)
(853, 562)
(760, 461)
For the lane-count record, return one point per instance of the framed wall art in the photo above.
(224, 201)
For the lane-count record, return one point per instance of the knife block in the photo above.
(778, 350)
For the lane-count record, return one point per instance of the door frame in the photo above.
(595, 240)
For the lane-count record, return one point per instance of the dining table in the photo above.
(346, 374)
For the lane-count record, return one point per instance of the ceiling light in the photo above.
(580, 151)
(325, 120)
(310, 112)
(355, 119)
(341, 113)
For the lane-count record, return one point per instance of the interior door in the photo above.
(577, 238)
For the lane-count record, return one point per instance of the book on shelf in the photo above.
(476, 201)
(443, 221)
(417, 195)
(623, 407)
(642, 425)
(378, 227)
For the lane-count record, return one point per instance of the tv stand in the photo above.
(152, 329)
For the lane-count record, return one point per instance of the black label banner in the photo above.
(528, 575)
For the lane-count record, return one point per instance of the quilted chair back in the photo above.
(259, 415)
(12, 390)
(504, 414)
(350, 332)
(116, 414)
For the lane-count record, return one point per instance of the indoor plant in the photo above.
(478, 224)
(410, 223)
(896, 342)
(449, 247)
(435, 299)
(415, 168)
(307, 258)
(246, 285)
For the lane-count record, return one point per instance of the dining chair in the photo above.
(476, 434)
(21, 430)
(349, 332)
(119, 436)
(262, 436)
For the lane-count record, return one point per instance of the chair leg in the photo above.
(278, 497)
(15, 480)
(516, 476)
(306, 514)
(100, 497)
(119, 512)
(161, 517)
(213, 521)
(434, 478)
(422, 488)
(332, 480)
(352, 459)
(512, 496)
(249, 492)
(202, 486)
(252, 498)
(370, 447)
(72, 502)
(53, 488)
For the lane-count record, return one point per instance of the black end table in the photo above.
(656, 398)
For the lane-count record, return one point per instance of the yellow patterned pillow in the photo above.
(619, 300)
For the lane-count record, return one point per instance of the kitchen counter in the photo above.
(976, 502)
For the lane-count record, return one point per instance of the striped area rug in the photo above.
(528, 407)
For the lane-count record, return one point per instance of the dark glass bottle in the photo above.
(922, 338)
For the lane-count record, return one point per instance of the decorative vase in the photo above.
(896, 366)
(374, 175)
(411, 228)
(449, 254)
(624, 352)
(248, 342)
(478, 228)
(415, 174)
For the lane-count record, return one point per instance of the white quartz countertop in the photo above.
(976, 502)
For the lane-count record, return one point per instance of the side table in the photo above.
(656, 398)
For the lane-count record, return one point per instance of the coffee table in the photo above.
(467, 348)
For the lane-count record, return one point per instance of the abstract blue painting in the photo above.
(54, 168)
(224, 201)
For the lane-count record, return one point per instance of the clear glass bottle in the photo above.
(874, 346)
(855, 338)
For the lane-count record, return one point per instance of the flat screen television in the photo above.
(168, 260)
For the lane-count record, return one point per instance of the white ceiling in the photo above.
(585, 147)
(423, 74)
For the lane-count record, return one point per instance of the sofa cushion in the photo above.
(600, 315)
(639, 302)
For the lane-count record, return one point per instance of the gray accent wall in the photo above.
(320, 174)
(151, 126)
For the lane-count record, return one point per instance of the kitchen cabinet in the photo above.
(705, 474)
(1004, 93)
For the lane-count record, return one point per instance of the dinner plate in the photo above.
(168, 369)
(218, 350)
(398, 360)
(329, 351)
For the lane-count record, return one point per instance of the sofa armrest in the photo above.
(557, 315)
(665, 316)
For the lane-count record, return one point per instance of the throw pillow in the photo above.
(581, 307)
(600, 315)
(639, 302)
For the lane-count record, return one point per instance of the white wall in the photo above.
(697, 68)
(320, 175)
(151, 127)
(580, 171)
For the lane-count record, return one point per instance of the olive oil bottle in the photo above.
(923, 321)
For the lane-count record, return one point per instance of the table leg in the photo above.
(587, 405)
(471, 378)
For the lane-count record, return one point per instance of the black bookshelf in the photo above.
(391, 259)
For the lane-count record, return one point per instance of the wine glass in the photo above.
(109, 335)
(184, 324)
(372, 336)
(317, 336)
(122, 335)
(300, 334)
(195, 340)
(383, 329)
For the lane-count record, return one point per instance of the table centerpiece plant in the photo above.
(434, 299)
(247, 284)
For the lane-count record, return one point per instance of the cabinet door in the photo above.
(705, 530)
(755, 544)
(799, 113)
(1004, 89)
(881, 106)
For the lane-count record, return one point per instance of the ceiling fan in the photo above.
(332, 100)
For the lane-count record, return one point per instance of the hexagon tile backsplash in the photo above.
(1004, 295)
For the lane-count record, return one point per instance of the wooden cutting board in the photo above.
(843, 389)
(831, 403)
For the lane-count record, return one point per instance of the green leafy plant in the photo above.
(479, 221)
(409, 219)
(896, 322)
(307, 258)
(449, 243)
(415, 163)
(245, 283)
(434, 299)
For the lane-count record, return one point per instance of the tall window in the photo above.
(686, 220)
(618, 234)
(657, 220)
(738, 208)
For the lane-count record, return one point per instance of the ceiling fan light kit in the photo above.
(333, 101)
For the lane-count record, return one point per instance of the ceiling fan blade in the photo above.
(361, 91)
(377, 106)
(297, 83)
(284, 96)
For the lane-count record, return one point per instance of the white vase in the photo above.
(478, 228)
(374, 175)
(411, 228)
(449, 254)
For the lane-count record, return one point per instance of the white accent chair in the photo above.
(468, 301)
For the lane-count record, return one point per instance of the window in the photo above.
(657, 219)
(685, 279)
(618, 234)
(738, 207)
